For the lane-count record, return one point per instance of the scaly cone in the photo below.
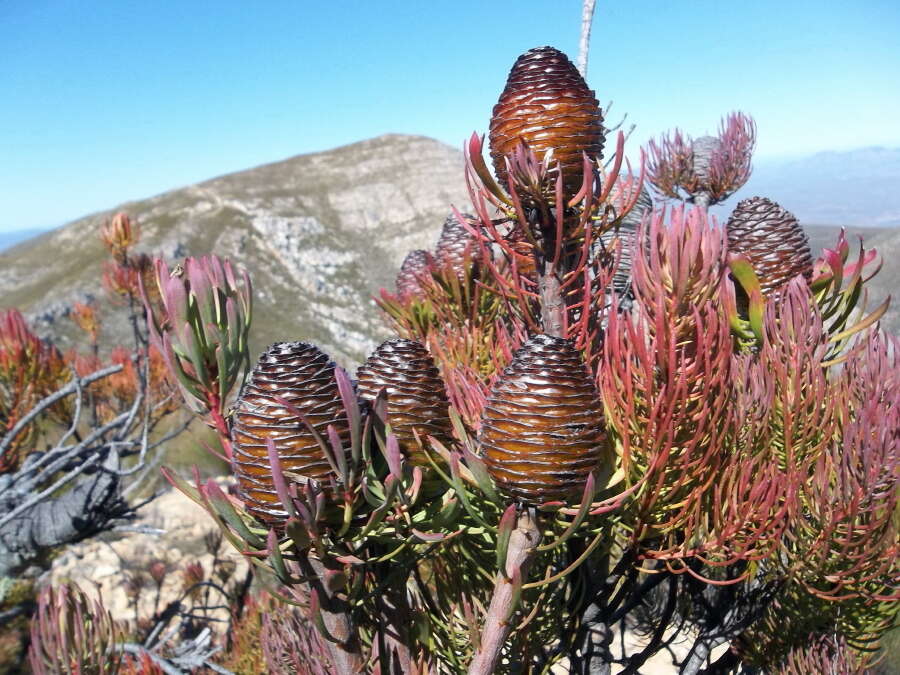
(773, 241)
(456, 248)
(548, 105)
(542, 429)
(303, 376)
(416, 398)
(703, 150)
(415, 265)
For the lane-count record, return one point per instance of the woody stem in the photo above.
(553, 306)
(498, 623)
(346, 651)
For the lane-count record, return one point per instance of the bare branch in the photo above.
(42, 405)
(587, 18)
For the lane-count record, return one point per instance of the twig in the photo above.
(138, 650)
(584, 43)
(39, 497)
(48, 401)
(60, 462)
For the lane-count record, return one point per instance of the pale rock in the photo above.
(102, 566)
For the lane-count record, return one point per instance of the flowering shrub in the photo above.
(597, 416)
(650, 423)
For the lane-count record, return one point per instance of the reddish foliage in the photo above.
(30, 369)
(681, 168)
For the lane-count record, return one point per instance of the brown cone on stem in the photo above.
(542, 429)
(415, 266)
(416, 397)
(456, 247)
(548, 105)
(773, 241)
(303, 376)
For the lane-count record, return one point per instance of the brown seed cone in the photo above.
(772, 240)
(542, 428)
(547, 104)
(416, 397)
(302, 375)
(415, 265)
(456, 247)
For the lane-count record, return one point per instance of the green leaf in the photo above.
(225, 510)
(482, 477)
(504, 532)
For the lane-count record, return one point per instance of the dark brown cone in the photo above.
(415, 265)
(547, 104)
(302, 375)
(542, 428)
(456, 247)
(772, 240)
(416, 398)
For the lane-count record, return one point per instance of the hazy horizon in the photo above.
(38, 229)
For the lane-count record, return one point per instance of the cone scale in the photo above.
(303, 376)
(542, 428)
(415, 266)
(625, 232)
(456, 248)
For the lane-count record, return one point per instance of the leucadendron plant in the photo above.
(200, 326)
(597, 416)
(71, 633)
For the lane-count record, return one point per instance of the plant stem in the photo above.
(702, 199)
(553, 306)
(696, 658)
(221, 427)
(346, 654)
(587, 17)
(395, 620)
(497, 624)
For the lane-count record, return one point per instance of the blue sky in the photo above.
(104, 102)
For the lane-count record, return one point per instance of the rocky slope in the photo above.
(319, 233)
(887, 242)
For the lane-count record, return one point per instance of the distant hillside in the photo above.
(319, 233)
(887, 242)
(856, 187)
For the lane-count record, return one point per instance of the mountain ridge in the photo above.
(835, 187)
(319, 233)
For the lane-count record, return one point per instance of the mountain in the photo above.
(319, 234)
(887, 243)
(855, 187)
